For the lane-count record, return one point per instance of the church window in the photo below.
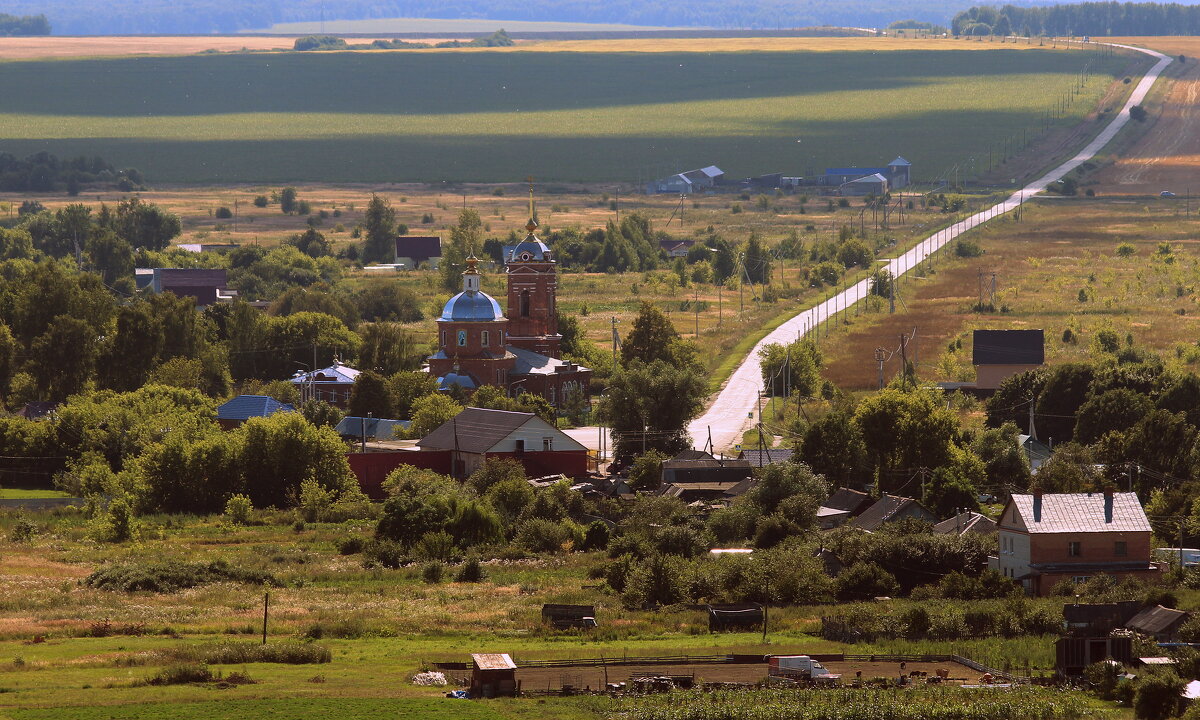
(444, 338)
(524, 310)
(484, 338)
(551, 396)
(462, 338)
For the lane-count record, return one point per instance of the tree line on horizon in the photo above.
(97, 17)
(1081, 19)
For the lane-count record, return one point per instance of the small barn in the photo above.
(413, 251)
(734, 616)
(874, 184)
(1158, 622)
(891, 508)
(999, 354)
(1073, 654)
(569, 616)
(493, 675)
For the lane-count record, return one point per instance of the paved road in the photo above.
(733, 411)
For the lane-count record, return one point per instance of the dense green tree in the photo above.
(650, 338)
(319, 298)
(791, 489)
(287, 200)
(320, 413)
(387, 300)
(406, 387)
(66, 355)
(757, 261)
(790, 369)
(379, 231)
(1182, 395)
(389, 348)
(493, 471)
(906, 431)
(1010, 403)
(110, 256)
(1005, 462)
(370, 396)
(646, 471)
(310, 242)
(1065, 391)
(431, 411)
(649, 406)
(947, 491)
(833, 447)
(145, 225)
(1114, 410)
(283, 450)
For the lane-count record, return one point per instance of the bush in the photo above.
(181, 675)
(967, 249)
(1138, 112)
(1156, 695)
(865, 580)
(433, 573)
(435, 546)
(544, 536)
(596, 536)
(471, 571)
(238, 653)
(387, 553)
(170, 576)
(223, 213)
(261, 201)
(237, 509)
(351, 545)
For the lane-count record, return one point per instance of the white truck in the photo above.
(799, 667)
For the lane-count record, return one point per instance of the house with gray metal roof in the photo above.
(476, 434)
(891, 508)
(1045, 539)
(234, 412)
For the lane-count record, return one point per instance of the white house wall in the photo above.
(533, 432)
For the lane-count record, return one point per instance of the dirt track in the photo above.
(1167, 156)
(533, 679)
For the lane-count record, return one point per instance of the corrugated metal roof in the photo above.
(493, 661)
(335, 373)
(1008, 347)
(884, 511)
(966, 522)
(759, 458)
(1155, 620)
(244, 407)
(845, 499)
(1082, 512)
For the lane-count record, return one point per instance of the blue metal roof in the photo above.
(464, 381)
(472, 305)
(536, 248)
(244, 407)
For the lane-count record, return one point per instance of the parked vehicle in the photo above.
(799, 667)
(1166, 194)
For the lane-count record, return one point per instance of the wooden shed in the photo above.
(1073, 654)
(493, 675)
(734, 616)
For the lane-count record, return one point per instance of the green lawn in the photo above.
(225, 707)
(25, 494)
(561, 116)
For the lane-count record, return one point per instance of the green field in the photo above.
(440, 25)
(560, 116)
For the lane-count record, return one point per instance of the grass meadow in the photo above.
(71, 651)
(599, 115)
(1084, 264)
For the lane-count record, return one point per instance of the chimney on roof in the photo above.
(1037, 505)
(1108, 505)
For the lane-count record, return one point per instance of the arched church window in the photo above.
(524, 303)
(462, 338)
(485, 338)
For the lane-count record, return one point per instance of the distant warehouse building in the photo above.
(897, 173)
(687, 182)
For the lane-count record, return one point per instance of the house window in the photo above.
(484, 336)
(462, 338)
(1074, 549)
(1120, 548)
(547, 444)
(1081, 579)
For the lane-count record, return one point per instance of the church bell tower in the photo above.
(532, 290)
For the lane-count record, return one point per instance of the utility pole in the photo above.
(720, 308)
(614, 337)
(903, 362)
(617, 205)
(880, 357)
(697, 304)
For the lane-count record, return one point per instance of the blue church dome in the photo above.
(472, 305)
(529, 249)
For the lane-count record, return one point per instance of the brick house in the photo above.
(1047, 538)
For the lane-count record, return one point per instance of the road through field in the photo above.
(735, 407)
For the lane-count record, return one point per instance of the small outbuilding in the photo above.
(493, 675)
(734, 616)
(569, 616)
(999, 354)
(1158, 622)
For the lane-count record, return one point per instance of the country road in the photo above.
(735, 407)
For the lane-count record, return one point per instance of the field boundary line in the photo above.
(727, 418)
